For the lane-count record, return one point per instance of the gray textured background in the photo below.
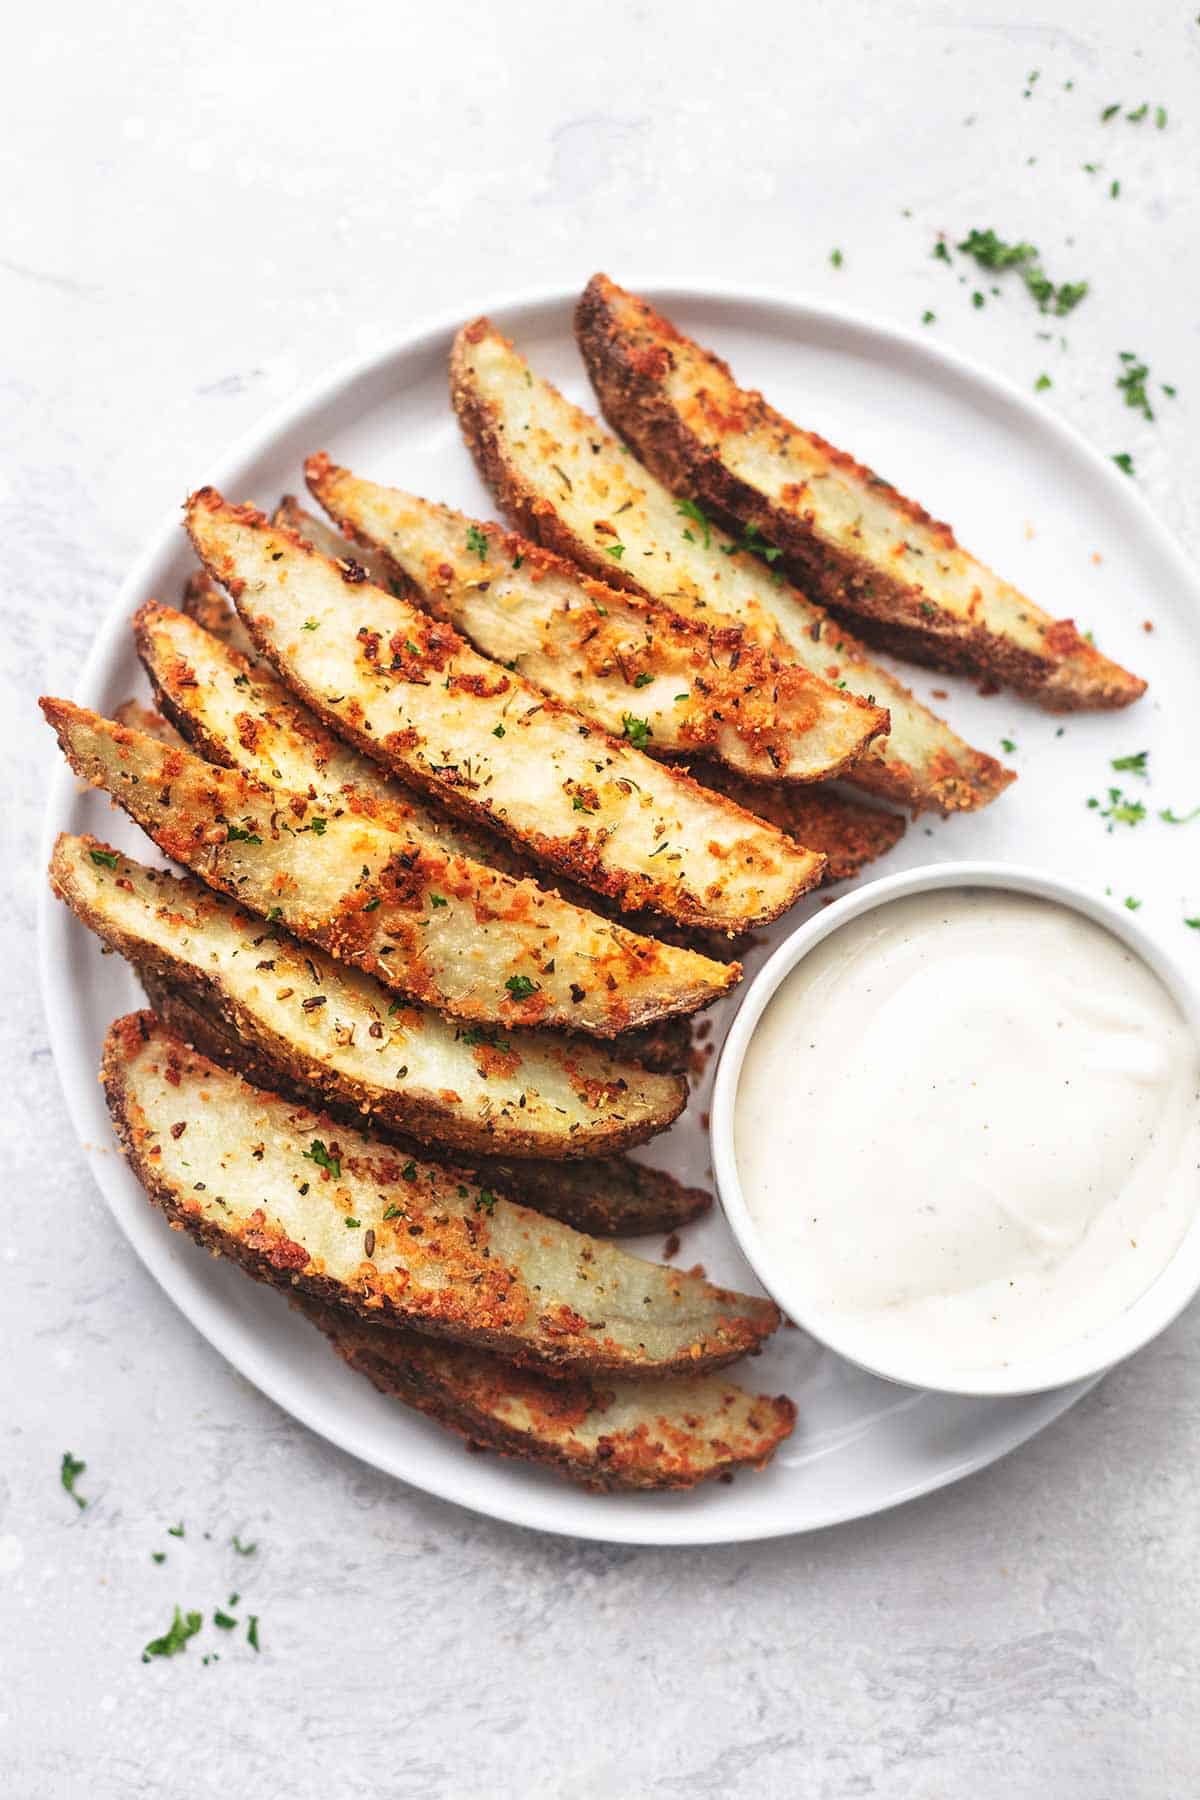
(204, 210)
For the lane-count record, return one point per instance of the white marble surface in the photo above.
(205, 209)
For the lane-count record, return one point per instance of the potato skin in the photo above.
(483, 1293)
(606, 1196)
(938, 772)
(628, 347)
(702, 1432)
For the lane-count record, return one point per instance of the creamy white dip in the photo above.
(968, 1129)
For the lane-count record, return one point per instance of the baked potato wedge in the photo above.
(339, 1036)
(851, 538)
(608, 1436)
(848, 833)
(702, 691)
(205, 604)
(556, 472)
(439, 928)
(407, 690)
(610, 1196)
(299, 1203)
(236, 712)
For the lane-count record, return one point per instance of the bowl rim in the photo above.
(1175, 1284)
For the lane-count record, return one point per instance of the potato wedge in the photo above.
(329, 541)
(146, 718)
(555, 472)
(647, 1434)
(298, 1203)
(848, 833)
(702, 692)
(439, 928)
(408, 691)
(850, 537)
(340, 1036)
(205, 604)
(610, 1196)
(238, 713)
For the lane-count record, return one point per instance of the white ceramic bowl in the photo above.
(1176, 1283)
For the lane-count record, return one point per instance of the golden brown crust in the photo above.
(848, 834)
(415, 913)
(476, 1270)
(595, 645)
(922, 765)
(604, 1196)
(697, 1433)
(761, 873)
(631, 351)
(342, 1042)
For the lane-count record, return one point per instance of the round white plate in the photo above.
(1026, 495)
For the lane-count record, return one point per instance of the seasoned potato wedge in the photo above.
(205, 604)
(238, 713)
(407, 690)
(853, 540)
(610, 1196)
(848, 833)
(702, 692)
(329, 541)
(299, 1203)
(439, 928)
(340, 1036)
(646, 1434)
(555, 472)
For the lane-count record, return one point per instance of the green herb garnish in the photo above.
(69, 1472)
(637, 731)
(643, 680)
(1132, 383)
(324, 1159)
(497, 731)
(438, 900)
(485, 1201)
(687, 509)
(1007, 745)
(252, 1632)
(1174, 818)
(183, 1626)
(835, 257)
(1134, 764)
(616, 551)
(104, 859)
(477, 541)
(242, 1549)
(235, 835)
(1124, 462)
(521, 987)
(991, 252)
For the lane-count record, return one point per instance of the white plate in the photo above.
(1028, 496)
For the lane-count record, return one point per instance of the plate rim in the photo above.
(805, 311)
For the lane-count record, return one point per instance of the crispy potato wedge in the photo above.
(329, 541)
(439, 928)
(205, 604)
(646, 1434)
(148, 719)
(290, 1196)
(702, 692)
(555, 472)
(340, 1036)
(850, 537)
(238, 713)
(407, 690)
(610, 1196)
(848, 833)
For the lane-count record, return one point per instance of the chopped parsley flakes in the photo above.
(235, 835)
(324, 1159)
(616, 551)
(1134, 764)
(991, 252)
(69, 1472)
(1120, 809)
(687, 509)
(1124, 462)
(637, 731)
(104, 859)
(1173, 818)
(182, 1627)
(521, 987)
(477, 541)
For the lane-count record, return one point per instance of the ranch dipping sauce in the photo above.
(967, 1128)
